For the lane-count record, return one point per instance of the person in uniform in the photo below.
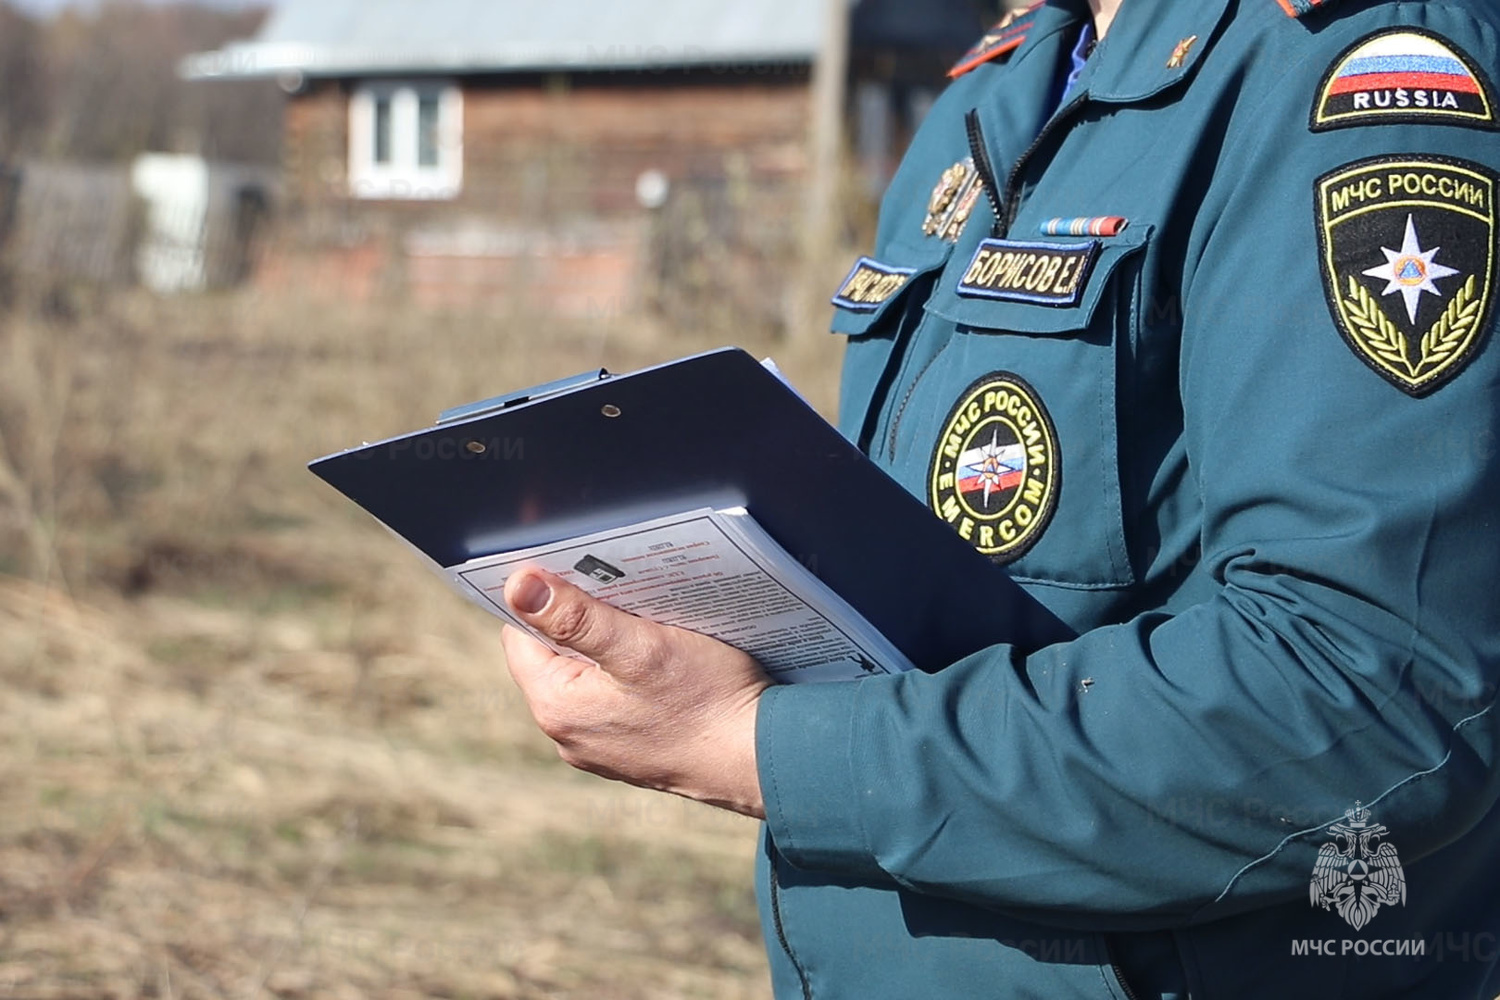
(1183, 313)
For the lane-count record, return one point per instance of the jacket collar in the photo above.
(1152, 45)
(1130, 65)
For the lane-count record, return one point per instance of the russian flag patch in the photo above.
(1404, 75)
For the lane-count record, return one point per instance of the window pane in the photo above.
(383, 130)
(427, 130)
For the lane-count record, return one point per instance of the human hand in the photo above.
(664, 708)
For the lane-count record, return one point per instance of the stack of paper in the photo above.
(710, 571)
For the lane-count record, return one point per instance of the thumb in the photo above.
(576, 620)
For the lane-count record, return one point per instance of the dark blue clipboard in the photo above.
(716, 429)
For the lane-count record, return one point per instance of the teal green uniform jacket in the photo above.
(1206, 360)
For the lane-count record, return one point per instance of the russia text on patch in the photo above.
(1051, 274)
(871, 285)
(1404, 75)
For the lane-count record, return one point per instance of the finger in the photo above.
(525, 656)
(545, 680)
(531, 662)
(617, 641)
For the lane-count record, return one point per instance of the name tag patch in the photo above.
(1049, 274)
(871, 285)
(1404, 75)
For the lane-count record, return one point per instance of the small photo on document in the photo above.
(597, 569)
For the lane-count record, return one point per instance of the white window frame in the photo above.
(403, 178)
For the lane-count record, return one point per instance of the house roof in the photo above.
(322, 38)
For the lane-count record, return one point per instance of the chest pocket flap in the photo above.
(877, 305)
(875, 286)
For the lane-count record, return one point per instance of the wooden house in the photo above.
(576, 156)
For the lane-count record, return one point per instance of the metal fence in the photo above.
(70, 221)
(112, 224)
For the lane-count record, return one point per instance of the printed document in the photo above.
(710, 571)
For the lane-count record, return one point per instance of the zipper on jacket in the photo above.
(905, 399)
(983, 166)
(910, 317)
(1011, 197)
(781, 931)
(1119, 973)
(1130, 994)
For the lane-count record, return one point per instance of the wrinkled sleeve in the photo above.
(1348, 649)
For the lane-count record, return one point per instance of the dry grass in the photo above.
(248, 747)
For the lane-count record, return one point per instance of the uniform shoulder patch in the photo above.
(1004, 38)
(1404, 75)
(996, 469)
(1408, 260)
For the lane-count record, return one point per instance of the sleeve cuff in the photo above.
(804, 741)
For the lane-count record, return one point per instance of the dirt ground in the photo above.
(249, 747)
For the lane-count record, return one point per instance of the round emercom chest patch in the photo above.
(996, 468)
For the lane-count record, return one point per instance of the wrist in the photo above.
(727, 761)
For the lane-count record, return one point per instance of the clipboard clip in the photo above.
(484, 406)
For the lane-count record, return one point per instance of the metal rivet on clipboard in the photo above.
(610, 410)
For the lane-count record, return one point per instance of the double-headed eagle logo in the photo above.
(1358, 871)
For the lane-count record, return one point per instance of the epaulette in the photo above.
(1301, 8)
(1003, 38)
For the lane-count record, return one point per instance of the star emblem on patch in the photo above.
(1408, 262)
(1411, 271)
(993, 467)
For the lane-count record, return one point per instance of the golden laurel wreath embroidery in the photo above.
(1449, 334)
(1379, 335)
